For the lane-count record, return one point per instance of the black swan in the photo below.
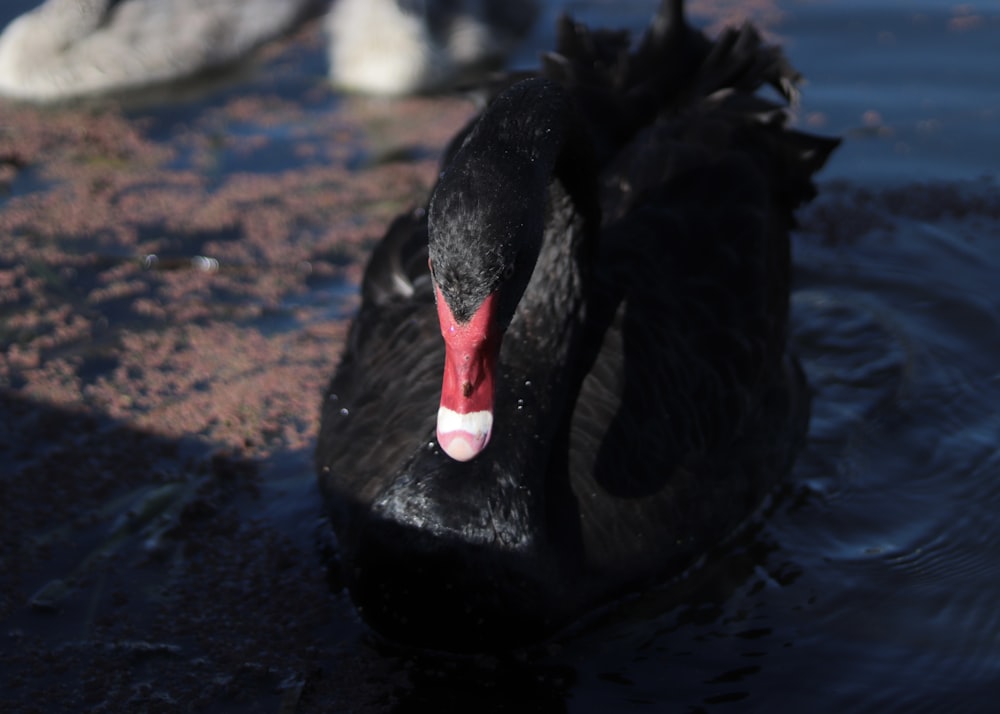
(609, 267)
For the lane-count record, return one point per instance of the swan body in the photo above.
(395, 47)
(590, 386)
(72, 48)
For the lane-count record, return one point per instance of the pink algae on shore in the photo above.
(76, 279)
(174, 294)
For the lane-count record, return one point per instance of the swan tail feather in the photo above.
(672, 68)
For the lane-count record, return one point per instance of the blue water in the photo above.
(871, 581)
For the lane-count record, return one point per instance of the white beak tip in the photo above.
(463, 436)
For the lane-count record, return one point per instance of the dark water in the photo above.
(872, 581)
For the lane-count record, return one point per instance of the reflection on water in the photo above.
(909, 83)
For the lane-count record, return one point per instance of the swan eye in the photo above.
(508, 271)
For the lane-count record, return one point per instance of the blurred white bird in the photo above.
(397, 47)
(72, 48)
(65, 49)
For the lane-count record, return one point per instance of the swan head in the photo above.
(472, 321)
(485, 227)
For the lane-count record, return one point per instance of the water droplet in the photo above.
(345, 411)
(205, 264)
(527, 383)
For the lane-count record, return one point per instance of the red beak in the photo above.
(465, 416)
